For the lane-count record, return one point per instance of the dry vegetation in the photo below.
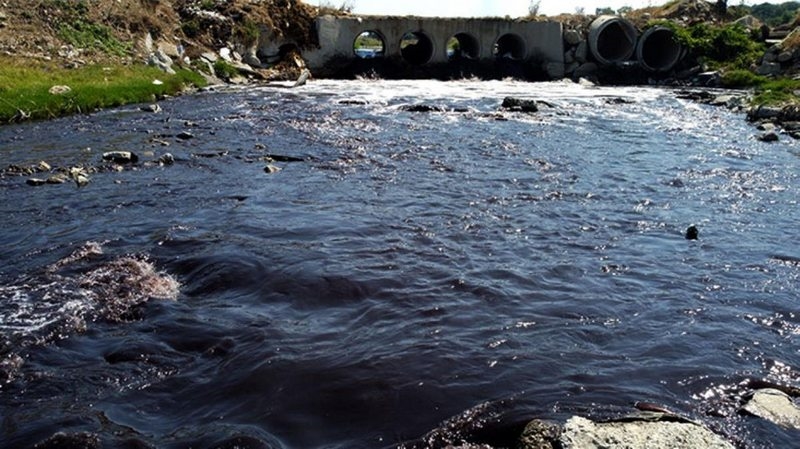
(102, 29)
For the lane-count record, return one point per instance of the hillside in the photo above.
(84, 31)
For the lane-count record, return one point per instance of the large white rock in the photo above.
(775, 406)
(581, 433)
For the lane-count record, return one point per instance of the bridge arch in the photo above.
(369, 44)
(463, 46)
(510, 46)
(416, 47)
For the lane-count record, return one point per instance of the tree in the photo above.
(626, 10)
(604, 11)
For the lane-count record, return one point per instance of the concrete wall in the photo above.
(541, 41)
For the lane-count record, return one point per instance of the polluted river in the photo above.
(359, 264)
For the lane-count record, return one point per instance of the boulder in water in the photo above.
(121, 157)
(519, 105)
(649, 433)
(774, 406)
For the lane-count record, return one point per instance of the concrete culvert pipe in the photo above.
(612, 39)
(658, 51)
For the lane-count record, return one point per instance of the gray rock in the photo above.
(769, 136)
(708, 79)
(519, 105)
(586, 69)
(774, 406)
(35, 182)
(57, 179)
(582, 52)
(763, 112)
(271, 169)
(81, 180)
(539, 434)
(185, 135)
(766, 127)
(121, 157)
(770, 56)
(167, 159)
(785, 56)
(571, 68)
(154, 108)
(729, 101)
(581, 433)
(789, 113)
(160, 60)
(768, 68)
(569, 57)
(252, 60)
(572, 37)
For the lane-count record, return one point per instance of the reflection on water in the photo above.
(402, 268)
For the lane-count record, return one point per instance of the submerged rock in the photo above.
(768, 136)
(692, 233)
(519, 105)
(36, 182)
(581, 433)
(57, 179)
(167, 159)
(422, 108)
(121, 157)
(271, 169)
(154, 108)
(774, 406)
(61, 440)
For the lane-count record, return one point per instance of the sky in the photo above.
(498, 8)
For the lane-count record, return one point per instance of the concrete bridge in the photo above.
(430, 46)
(415, 41)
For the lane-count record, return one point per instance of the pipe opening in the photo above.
(463, 46)
(416, 47)
(612, 39)
(658, 51)
(509, 46)
(369, 44)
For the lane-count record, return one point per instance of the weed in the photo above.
(89, 35)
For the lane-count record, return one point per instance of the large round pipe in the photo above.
(658, 51)
(612, 39)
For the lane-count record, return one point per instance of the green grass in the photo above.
(25, 90)
(225, 70)
(769, 91)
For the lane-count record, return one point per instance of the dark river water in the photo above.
(410, 268)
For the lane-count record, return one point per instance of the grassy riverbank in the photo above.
(26, 89)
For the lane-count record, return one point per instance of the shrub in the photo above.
(224, 70)
(727, 46)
